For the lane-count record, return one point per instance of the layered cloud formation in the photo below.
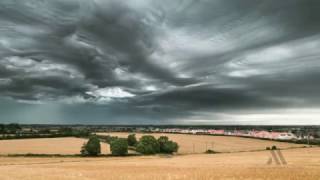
(190, 61)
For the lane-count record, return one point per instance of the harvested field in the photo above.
(63, 146)
(302, 163)
(190, 144)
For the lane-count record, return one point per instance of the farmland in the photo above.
(240, 158)
(190, 144)
(303, 163)
(64, 146)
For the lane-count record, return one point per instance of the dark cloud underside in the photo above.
(189, 61)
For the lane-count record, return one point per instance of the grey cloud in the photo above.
(159, 60)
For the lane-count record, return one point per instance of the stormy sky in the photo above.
(160, 61)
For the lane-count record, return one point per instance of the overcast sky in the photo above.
(160, 61)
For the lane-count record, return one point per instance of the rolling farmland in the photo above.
(190, 144)
(303, 163)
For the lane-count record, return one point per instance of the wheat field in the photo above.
(65, 146)
(303, 163)
(190, 144)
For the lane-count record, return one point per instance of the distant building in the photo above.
(217, 132)
(286, 136)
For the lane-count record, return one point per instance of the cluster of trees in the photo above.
(119, 146)
(92, 147)
(150, 145)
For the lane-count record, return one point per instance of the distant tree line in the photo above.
(119, 146)
(74, 132)
(14, 131)
(9, 128)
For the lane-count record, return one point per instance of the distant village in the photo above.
(245, 133)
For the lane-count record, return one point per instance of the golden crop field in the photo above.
(190, 144)
(65, 146)
(302, 163)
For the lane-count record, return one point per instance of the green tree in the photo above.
(119, 147)
(148, 145)
(92, 147)
(167, 146)
(132, 140)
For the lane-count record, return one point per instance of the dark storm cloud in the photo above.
(159, 60)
